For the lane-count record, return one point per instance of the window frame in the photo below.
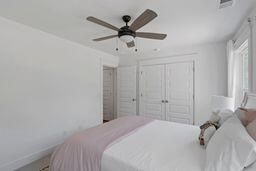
(240, 89)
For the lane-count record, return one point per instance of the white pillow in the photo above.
(231, 148)
(251, 102)
(221, 116)
(251, 168)
(215, 118)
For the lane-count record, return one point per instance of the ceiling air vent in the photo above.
(225, 3)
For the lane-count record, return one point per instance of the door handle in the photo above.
(133, 100)
(166, 101)
(162, 101)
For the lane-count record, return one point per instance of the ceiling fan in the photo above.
(128, 33)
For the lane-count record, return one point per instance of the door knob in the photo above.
(163, 101)
(133, 100)
(166, 101)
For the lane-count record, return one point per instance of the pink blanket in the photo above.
(83, 151)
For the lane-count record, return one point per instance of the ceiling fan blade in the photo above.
(158, 36)
(102, 23)
(130, 44)
(105, 38)
(143, 19)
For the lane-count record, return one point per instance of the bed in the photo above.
(152, 146)
(159, 145)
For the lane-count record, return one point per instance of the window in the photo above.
(244, 55)
(242, 73)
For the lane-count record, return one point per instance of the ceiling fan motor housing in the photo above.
(126, 31)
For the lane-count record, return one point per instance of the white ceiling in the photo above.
(187, 22)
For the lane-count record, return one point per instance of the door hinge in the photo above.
(141, 95)
(193, 96)
(141, 72)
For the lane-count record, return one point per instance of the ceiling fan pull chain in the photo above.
(136, 44)
(117, 44)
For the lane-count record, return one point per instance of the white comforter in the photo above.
(158, 146)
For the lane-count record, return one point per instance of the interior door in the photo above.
(152, 91)
(180, 92)
(108, 94)
(126, 91)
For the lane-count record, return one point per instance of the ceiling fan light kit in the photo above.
(126, 38)
(127, 34)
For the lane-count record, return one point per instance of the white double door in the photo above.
(126, 91)
(167, 92)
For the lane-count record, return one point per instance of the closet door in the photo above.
(179, 92)
(108, 94)
(152, 91)
(126, 91)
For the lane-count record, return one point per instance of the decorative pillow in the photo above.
(251, 129)
(209, 128)
(224, 115)
(246, 115)
(240, 113)
(207, 131)
(231, 148)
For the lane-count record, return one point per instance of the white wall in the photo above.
(210, 73)
(49, 89)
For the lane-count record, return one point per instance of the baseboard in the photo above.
(13, 165)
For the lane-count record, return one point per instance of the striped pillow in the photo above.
(251, 129)
(245, 115)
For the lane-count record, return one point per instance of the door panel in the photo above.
(152, 91)
(126, 91)
(179, 92)
(108, 94)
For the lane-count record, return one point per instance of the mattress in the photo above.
(158, 146)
